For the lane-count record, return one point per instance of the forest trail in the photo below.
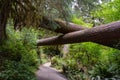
(46, 72)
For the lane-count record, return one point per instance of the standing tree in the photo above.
(5, 6)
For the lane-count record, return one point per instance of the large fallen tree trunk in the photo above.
(108, 34)
(66, 27)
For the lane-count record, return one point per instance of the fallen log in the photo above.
(62, 26)
(105, 34)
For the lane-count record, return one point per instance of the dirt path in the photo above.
(45, 72)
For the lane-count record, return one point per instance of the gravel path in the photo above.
(45, 72)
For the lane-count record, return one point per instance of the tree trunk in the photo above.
(62, 26)
(108, 34)
(65, 50)
(4, 14)
(66, 27)
(2, 27)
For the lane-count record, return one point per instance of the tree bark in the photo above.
(62, 26)
(66, 27)
(108, 34)
(4, 14)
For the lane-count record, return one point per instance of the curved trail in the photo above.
(45, 72)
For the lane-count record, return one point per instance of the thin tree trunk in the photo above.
(65, 50)
(106, 34)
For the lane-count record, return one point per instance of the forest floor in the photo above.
(46, 72)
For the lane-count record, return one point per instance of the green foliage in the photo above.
(51, 50)
(57, 62)
(81, 57)
(109, 62)
(106, 70)
(19, 52)
(22, 45)
(109, 11)
(30, 12)
(85, 53)
(80, 21)
(86, 60)
(109, 65)
(12, 70)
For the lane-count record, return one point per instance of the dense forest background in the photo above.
(23, 22)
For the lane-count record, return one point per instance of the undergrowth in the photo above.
(89, 61)
(18, 55)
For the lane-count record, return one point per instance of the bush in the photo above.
(57, 62)
(21, 46)
(109, 67)
(89, 60)
(19, 52)
(12, 70)
(85, 54)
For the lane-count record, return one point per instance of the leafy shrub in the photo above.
(57, 62)
(12, 70)
(80, 57)
(110, 67)
(85, 53)
(21, 46)
(105, 70)
(73, 70)
(89, 59)
(20, 55)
